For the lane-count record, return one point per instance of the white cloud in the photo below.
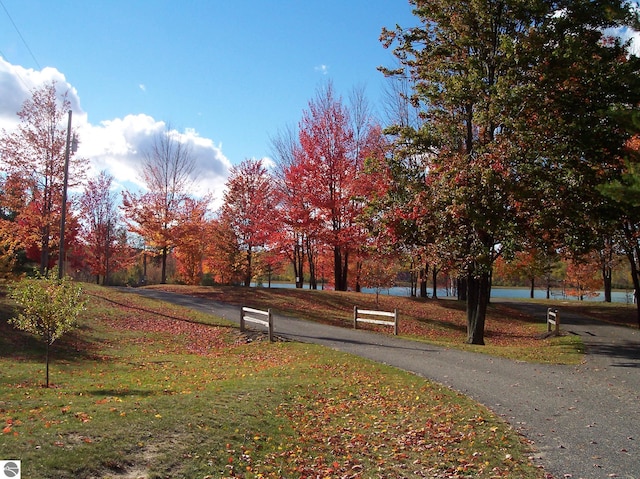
(143, 87)
(324, 69)
(117, 145)
(17, 83)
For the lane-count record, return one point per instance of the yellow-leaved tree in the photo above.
(48, 308)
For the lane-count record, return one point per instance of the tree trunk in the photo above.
(414, 281)
(298, 264)
(312, 260)
(248, 273)
(434, 278)
(607, 270)
(340, 264)
(477, 301)
(47, 364)
(607, 282)
(548, 287)
(44, 253)
(423, 281)
(107, 259)
(337, 268)
(462, 284)
(163, 277)
(345, 270)
(636, 282)
(532, 293)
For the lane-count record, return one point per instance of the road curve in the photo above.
(584, 421)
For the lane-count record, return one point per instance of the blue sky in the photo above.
(226, 74)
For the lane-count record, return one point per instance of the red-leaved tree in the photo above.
(247, 209)
(106, 248)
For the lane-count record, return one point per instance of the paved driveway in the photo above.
(584, 420)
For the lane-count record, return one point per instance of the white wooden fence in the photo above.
(257, 316)
(553, 318)
(365, 316)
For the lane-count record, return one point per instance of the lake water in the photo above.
(496, 292)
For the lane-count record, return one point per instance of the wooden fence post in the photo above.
(242, 319)
(395, 319)
(553, 317)
(270, 325)
(355, 317)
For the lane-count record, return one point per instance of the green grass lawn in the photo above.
(144, 389)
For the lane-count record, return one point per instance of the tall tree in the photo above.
(105, 238)
(167, 173)
(491, 77)
(625, 191)
(459, 60)
(223, 259)
(334, 142)
(294, 211)
(191, 239)
(247, 207)
(34, 159)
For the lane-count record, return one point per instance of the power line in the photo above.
(20, 35)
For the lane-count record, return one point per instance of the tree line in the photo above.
(512, 130)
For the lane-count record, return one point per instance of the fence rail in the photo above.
(364, 316)
(264, 318)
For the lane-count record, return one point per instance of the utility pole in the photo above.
(63, 216)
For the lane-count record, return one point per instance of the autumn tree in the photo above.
(191, 239)
(34, 159)
(248, 206)
(334, 142)
(167, 173)
(48, 308)
(9, 246)
(459, 58)
(625, 192)
(325, 156)
(297, 234)
(492, 78)
(223, 259)
(581, 278)
(589, 86)
(591, 139)
(531, 264)
(105, 238)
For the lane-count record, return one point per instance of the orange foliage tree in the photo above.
(191, 239)
(167, 174)
(33, 158)
(582, 277)
(9, 245)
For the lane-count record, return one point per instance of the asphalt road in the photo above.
(584, 421)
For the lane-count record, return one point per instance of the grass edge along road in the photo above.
(146, 389)
(509, 333)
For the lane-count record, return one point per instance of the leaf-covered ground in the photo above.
(508, 333)
(148, 390)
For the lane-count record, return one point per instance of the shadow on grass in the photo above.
(17, 344)
(158, 313)
(121, 392)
